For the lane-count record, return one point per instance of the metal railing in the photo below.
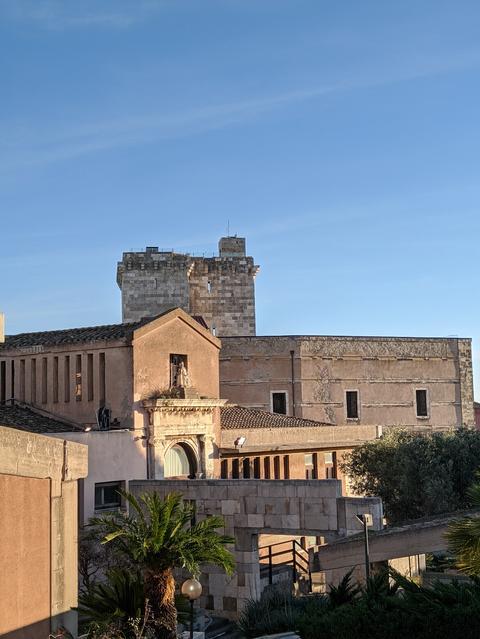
(294, 555)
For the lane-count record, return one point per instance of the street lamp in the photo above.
(191, 589)
(367, 520)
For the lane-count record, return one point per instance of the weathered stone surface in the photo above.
(219, 289)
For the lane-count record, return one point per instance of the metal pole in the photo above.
(367, 552)
(270, 567)
(191, 618)
(294, 564)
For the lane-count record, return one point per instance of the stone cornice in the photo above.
(182, 405)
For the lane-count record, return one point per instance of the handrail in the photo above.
(299, 559)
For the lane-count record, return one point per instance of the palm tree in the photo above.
(160, 537)
(464, 537)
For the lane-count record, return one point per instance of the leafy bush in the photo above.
(443, 610)
(416, 475)
(276, 611)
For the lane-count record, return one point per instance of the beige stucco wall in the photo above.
(112, 456)
(118, 380)
(152, 346)
(385, 371)
(38, 494)
(24, 553)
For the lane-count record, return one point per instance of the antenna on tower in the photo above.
(228, 228)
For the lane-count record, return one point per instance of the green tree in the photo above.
(158, 536)
(416, 475)
(463, 537)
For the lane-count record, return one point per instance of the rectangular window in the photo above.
(107, 495)
(3, 382)
(308, 465)
(78, 378)
(12, 378)
(22, 380)
(246, 468)
(235, 468)
(44, 380)
(279, 402)
(330, 465)
(266, 467)
(55, 380)
(101, 379)
(422, 402)
(286, 467)
(256, 467)
(90, 377)
(33, 380)
(66, 378)
(352, 404)
(276, 467)
(224, 469)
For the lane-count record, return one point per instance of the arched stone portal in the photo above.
(180, 461)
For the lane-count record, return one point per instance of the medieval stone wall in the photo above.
(220, 289)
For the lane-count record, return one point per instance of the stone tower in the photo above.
(220, 289)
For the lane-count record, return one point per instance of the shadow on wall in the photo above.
(39, 630)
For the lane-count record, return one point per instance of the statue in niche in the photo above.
(179, 377)
(183, 378)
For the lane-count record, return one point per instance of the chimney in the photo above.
(2, 328)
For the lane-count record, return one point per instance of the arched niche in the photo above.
(180, 461)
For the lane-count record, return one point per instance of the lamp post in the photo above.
(367, 520)
(191, 589)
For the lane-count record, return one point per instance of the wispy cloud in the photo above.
(28, 148)
(59, 15)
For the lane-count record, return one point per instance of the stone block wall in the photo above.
(220, 289)
(251, 507)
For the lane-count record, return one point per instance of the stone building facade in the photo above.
(405, 382)
(220, 289)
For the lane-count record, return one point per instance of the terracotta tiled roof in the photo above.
(23, 418)
(108, 332)
(232, 416)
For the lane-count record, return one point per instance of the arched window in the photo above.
(179, 462)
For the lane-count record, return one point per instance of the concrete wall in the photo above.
(112, 456)
(38, 532)
(385, 371)
(24, 552)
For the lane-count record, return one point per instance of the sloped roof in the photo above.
(107, 332)
(233, 416)
(23, 418)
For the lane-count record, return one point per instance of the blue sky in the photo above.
(342, 139)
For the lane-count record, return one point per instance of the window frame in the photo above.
(427, 403)
(287, 403)
(357, 418)
(119, 484)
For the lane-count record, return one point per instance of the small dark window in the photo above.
(3, 382)
(279, 403)
(44, 380)
(266, 467)
(78, 378)
(276, 467)
(235, 469)
(107, 495)
(256, 467)
(224, 469)
(90, 377)
(422, 405)
(246, 468)
(286, 467)
(352, 404)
